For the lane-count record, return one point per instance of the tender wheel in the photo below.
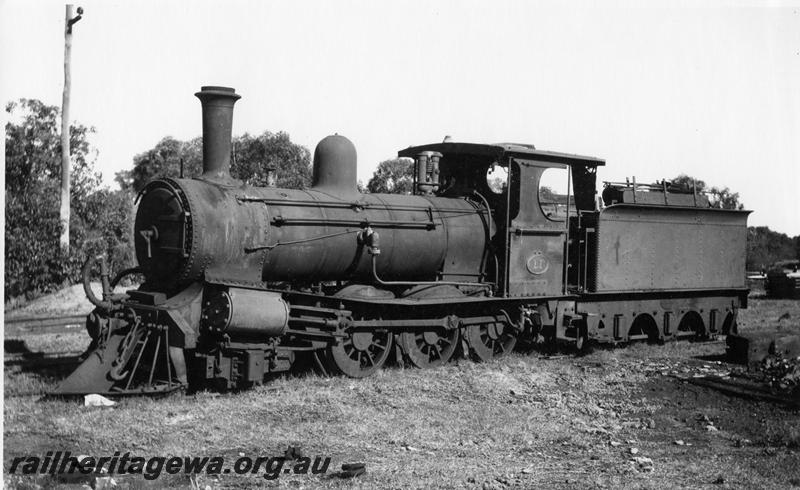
(360, 354)
(429, 349)
(490, 340)
(691, 325)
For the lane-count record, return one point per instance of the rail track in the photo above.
(41, 359)
(16, 330)
(40, 325)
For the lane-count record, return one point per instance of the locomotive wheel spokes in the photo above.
(361, 353)
(490, 340)
(430, 348)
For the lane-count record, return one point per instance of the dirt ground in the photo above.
(621, 417)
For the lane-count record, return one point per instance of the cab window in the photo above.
(497, 178)
(553, 194)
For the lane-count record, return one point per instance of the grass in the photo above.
(518, 422)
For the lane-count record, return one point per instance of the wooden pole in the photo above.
(65, 151)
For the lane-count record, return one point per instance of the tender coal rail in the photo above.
(21, 327)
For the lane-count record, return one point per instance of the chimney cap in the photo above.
(219, 91)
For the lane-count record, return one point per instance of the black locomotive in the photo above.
(243, 281)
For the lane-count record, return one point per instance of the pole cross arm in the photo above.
(74, 19)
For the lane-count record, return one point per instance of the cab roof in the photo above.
(500, 151)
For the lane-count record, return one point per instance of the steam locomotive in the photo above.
(242, 282)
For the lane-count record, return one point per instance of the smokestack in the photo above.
(217, 105)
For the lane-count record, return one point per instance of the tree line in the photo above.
(251, 157)
(102, 219)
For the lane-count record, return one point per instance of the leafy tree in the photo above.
(546, 194)
(109, 221)
(723, 195)
(797, 246)
(252, 157)
(765, 247)
(33, 151)
(394, 176)
(34, 260)
(497, 184)
(163, 160)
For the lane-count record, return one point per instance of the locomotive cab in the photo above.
(532, 219)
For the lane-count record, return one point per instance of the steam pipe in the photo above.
(489, 244)
(422, 283)
(87, 287)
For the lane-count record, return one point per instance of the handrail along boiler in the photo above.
(243, 281)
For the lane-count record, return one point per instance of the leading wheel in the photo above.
(360, 353)
(490, 340)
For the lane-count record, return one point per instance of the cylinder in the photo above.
(217, 104)
(246, 312)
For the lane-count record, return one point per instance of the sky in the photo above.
(710, 89)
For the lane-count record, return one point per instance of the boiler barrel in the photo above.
(313, 236)
(187, 229)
